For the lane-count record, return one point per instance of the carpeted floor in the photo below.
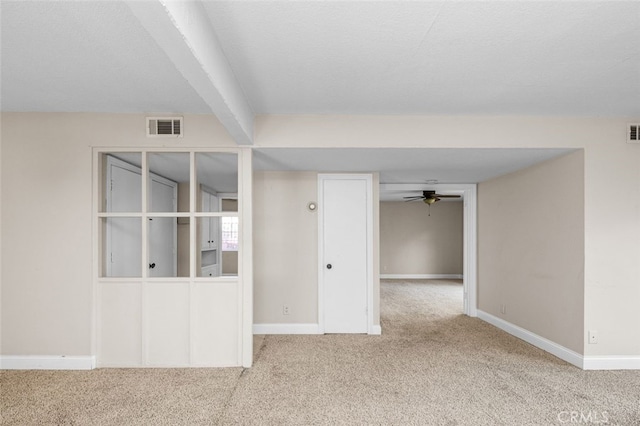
(431, 366)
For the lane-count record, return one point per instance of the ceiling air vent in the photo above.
(633, 134)
(164, 126)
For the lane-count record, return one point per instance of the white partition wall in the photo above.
(171, 319)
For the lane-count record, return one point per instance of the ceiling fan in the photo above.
(429, 197)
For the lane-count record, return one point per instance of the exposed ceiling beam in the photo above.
(183, 30)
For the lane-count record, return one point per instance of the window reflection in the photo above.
(122, 182)
(217, 255)
(168, 182)
(122, 250)
(175, 223)
(217, 174)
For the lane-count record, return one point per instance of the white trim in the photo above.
(470, 248)
(545, 344)
(286, 329)
(47, 362)
(245, 255)
(611, 363)
(375, 330)
(421, 276)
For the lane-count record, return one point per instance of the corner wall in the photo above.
(531, 249)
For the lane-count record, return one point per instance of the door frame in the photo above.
(368, 178)
(470, 235)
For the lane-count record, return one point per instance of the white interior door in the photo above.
(344, 246)
(162, 230)
(124, 234)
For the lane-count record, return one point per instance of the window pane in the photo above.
(122, 182)
(122, 249)
(163, 247)
(217, 175)
(184, 260)
(229, 236)
(218, 243)
(229, 263)
(168, 182)
(229, 204)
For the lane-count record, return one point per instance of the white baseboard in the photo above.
(375, 330)
(37, 362)
(421, 276)
(286, 329)
(299, 329)
(611, 363)
(607, 362)
(545, 344)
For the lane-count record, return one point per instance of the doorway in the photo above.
(469, 194)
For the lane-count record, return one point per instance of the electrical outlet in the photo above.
(285, 309)
(593, 337)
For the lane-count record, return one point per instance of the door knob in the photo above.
(152, 265)
(329, 266)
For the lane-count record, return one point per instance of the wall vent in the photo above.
(633, 133)
(164, 126)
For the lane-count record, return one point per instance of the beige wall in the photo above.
(47, 201)
(612, 190)
(412, 242)
(46, 161)
(285, 247)
(531, 249)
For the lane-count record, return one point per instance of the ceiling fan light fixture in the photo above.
(431, 200)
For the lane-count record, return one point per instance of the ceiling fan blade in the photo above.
(447, 196)
(413, 199)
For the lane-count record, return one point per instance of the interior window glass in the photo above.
(122, 182)
(217, 175)
(168, 181)
(122, 246)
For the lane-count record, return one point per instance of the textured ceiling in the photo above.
(365, 57)
(92, 56)
(459, 57)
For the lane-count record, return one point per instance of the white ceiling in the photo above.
(365, 57)
(309, 57)
(453, 57)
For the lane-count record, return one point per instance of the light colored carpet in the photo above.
(431, 366)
